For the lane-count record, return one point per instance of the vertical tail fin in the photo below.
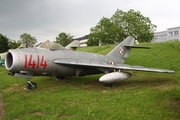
(123, 49)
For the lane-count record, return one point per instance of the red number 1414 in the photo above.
(35, 64)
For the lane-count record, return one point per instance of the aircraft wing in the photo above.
(97, 64)
(142, 68)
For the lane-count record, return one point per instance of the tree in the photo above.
(101, 33)
(27, 40)
(14, 45)
(121, 25)
(4, 44)
(64, 39)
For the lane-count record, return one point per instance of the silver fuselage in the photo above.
(37, 62)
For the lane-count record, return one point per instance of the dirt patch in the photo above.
(64, 116)
(1, 108)
(39, 113)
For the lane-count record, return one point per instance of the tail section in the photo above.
(123, 49)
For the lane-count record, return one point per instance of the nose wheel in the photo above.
(31, 85)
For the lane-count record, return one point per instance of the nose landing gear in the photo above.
(31, 85)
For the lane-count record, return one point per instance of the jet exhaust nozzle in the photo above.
(114, 77)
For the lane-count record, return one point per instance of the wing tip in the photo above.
(172, 71)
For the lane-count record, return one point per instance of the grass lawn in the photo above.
(144, 96)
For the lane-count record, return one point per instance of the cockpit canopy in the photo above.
(50, 45)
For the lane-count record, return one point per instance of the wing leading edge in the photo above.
(96, 64)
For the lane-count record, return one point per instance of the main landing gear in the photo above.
(60, 77)
(31, 85)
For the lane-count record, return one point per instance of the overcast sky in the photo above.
(45, 19)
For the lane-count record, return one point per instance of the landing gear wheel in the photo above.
(60, 77)
(32, 85)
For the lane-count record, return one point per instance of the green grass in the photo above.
(144, 96)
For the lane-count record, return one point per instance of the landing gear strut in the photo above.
(31, 85)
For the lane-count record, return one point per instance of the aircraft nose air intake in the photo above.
(12, 61)
(9, 61)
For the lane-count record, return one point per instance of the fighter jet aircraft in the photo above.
(51, 59)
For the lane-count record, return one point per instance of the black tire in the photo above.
(32, 86)
(60, 77)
